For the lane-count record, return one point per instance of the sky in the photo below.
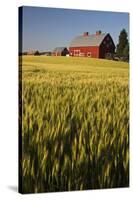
(47, 28)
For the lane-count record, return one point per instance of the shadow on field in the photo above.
(14, 188)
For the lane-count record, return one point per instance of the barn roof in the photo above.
(59, 49)
(90, 40)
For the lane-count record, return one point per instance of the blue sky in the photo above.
(47, 28)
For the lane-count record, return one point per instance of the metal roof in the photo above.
(59, 49)
(90, 40)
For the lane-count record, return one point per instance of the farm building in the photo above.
(31, 52)
(45, 53)
(60, 51)
(97, 45)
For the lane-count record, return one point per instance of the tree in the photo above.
(36, 53)
(123, 43)
(126, 52)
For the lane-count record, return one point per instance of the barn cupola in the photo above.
(98, 32)
(85, 34)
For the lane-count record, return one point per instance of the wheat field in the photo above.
(75, 124)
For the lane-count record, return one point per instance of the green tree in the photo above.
(126, 52)
(36, 53)
(123, 42)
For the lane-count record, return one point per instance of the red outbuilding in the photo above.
(97, 45)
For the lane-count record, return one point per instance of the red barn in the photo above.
(96, 46)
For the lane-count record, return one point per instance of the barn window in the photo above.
(76, 52)
(89, 54)
(107, 45)
(104, 42)
(107, 38)
(110, 43)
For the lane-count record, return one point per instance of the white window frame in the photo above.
(76, 52)
(82, 54)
